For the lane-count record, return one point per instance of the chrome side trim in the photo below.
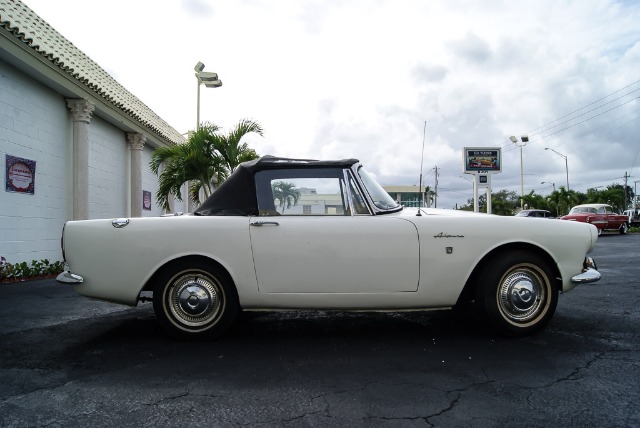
(176, 214)
(69, 278)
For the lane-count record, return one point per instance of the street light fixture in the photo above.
(548, 182)
(524, 139)
(210, 80)
(566, 163)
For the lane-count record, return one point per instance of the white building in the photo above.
(74, 143)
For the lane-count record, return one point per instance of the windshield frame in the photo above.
(381, 200)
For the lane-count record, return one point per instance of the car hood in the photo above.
(504, 225)
(412, 212)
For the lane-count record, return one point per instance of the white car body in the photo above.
(409, 259)
(399, 262)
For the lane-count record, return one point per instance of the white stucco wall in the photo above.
(150, 183)
(108, 170)
(34, 125)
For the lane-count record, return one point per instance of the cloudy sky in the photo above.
(360, 78)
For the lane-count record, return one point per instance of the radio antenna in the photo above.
(424, 133)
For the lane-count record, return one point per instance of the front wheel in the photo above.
(517, 292)
(192, 300)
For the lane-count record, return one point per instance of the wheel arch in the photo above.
(148, 286)
(468, 293)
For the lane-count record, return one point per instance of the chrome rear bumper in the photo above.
(69, 278)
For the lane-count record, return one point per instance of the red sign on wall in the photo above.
(20, 175)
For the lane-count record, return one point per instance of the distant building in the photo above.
(74, 143)
(408, 196)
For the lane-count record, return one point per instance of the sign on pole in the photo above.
(482, 162)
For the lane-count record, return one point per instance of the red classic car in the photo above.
(601, 216)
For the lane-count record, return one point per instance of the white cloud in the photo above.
(355, 78)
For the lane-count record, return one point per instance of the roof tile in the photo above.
(32, 30)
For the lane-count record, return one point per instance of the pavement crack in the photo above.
(575, 374)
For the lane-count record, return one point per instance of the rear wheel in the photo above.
(193, 300)
(517, 293)
(623, 228)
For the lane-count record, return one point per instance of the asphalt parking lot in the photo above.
(69, 361)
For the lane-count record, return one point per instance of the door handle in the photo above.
(265, 223)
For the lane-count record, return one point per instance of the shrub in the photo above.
(12, 272)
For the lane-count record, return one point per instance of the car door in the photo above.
(604, 217)
(614, 220)
(334, 254)
(314, 241)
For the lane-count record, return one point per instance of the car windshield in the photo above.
(380, 197)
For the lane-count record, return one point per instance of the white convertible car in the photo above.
(284, 234)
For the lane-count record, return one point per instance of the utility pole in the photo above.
(435, 205)
(626, 176)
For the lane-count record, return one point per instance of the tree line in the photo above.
(559, 202)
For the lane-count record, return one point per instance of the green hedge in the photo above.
(12, 272)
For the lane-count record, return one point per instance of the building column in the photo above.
(81, 111)
(136, 144)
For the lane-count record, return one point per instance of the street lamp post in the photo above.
(210, 80)
(524, 139)
(566, 163)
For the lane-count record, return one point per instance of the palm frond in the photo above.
(205, 160)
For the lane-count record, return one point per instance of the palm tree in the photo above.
(205, 159)
(564, 200)
(285, 193)
(229, 147)
(533, 200)
(428, 196)
(503, 202)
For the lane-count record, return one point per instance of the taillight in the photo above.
(64, 258)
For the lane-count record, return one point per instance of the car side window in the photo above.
(299, 193)
(359, 205)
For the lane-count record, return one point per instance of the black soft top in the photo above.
(237, 195)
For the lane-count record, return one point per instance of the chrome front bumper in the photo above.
(589, 273)
(69, 278)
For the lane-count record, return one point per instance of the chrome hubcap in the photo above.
(521, 295)
(194, 299)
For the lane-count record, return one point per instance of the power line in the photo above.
(507, 146)
(590, 104)
(587, 119)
